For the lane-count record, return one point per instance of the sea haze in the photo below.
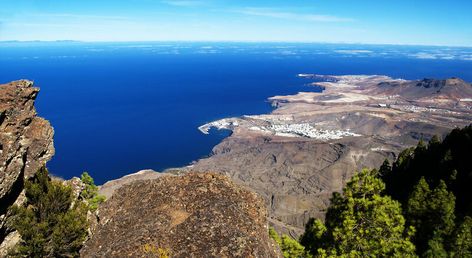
(121, 107)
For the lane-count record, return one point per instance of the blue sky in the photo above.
(349, 21)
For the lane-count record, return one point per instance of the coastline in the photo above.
(306, 148)
(311, 144)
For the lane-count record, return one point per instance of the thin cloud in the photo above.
(183, 3)
(293, 16)
(80, 16)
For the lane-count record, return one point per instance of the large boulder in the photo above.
(194, 215)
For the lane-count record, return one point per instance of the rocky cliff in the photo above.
(26, 144)
(194, 215)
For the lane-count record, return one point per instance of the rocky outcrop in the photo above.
(109, 187)
(26, 143)
(194, 215)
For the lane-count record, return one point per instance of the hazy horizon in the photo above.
(231, 41)
(339, 22)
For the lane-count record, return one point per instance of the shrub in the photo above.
(49, 223)
(90, 192)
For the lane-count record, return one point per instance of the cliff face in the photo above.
(195, 215)
(26, 142)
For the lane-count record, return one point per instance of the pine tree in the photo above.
(447, 160)
(436, 248)
(290, 247)
(420, 147)
(386, 168)
(445, 166)
(90, 192)
(434, 141)
(48, 223)
(314, 236)
(431, 212)
(462, 239)
(362, 222)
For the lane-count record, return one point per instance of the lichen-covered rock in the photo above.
(194, 215)
(26, 142)
(109, 187)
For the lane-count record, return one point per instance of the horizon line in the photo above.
(232, 41)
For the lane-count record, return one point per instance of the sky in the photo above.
(417, 22)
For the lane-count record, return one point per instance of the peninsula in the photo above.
(312, 143)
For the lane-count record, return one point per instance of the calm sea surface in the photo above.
(121, 107)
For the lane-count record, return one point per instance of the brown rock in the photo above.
(109, 187)
(195, 215)
(26, 142)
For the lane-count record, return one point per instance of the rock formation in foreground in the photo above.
(308, 147)
(111, 186)
(194, 215)
(26, 144)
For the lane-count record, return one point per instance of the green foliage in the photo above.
(273, 234)
(385, 168)
(312, 239)
(434, 141)
(436, 248)
(95, 201)
(90, 189)
(49, 224)
(360, 222)
(404, 158)
(70, 232)
(290, 247)
(462, 239)
(431, 181)
(448, 161)
(431, 212)
(90, 192)
(433, 184)
(420, 147)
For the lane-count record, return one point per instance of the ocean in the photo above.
(118, 108)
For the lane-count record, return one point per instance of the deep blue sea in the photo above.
(121, 107)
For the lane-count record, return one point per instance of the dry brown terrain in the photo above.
(312, 143)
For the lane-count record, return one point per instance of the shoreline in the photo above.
(311, 144)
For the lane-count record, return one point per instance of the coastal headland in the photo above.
(312, 143)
